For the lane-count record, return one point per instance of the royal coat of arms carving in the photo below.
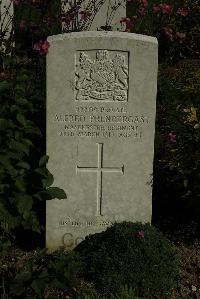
(104, 78)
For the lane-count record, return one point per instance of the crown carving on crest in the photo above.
(101, 76)
(102, 55)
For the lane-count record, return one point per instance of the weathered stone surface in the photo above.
(101, 99)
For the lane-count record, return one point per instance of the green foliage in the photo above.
(177, 136)
(177, 34)
(125, 292)
(41, 272)
(5, 243)
(177, 160)
(130, 254)
(128, 261)
(36, 21)
(25, 182)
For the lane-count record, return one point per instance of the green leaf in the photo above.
(44, 274)
(23, 276)
(21, 119)
(26, 215)
(6, 123)
(30, 221)
(14, 109)
(4, 85)
(22, 78)
(20, 90)
(20, 184)
(16, 156)
(19, 147)
(43, 161)
(48, 181)
(24, 165)
(5, 160)
(33, 131)
(43, 171)
(17, 286)
(4, 187)
(43, 195)
(60, 284)
(17, 289)
(27, 141)
(24, 203)
(56, 192)
(7, 218)
(38, 286)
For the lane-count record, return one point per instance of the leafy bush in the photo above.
(42, 275)
(174, 23)
(128, 261)
(24, 179)
(177, 156)
(136, 255)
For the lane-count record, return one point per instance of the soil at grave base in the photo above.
(189, 275)
(188, 281)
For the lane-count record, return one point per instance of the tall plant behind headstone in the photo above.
(22, 118)
(92, 15)
(6, 25)
(34, 21)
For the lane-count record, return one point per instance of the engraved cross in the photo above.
(99, 171)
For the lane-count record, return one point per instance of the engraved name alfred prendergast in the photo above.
(101, 79)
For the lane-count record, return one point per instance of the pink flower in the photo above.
(142, 11)
(45, 47)
(180, 35)
(67, 18)
(22, 25)
(42, 47)
(85, 14)
(143, 2)
(156, 8)
(162, 109)
(49, 20)
(35, 3)
(172, 137)
(183, 11)
(141, 234)
(168, 32)
(4, 76)
(127, 22)
(16, 2)
(166, 8)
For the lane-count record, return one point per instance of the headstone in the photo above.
(93, 14)
(101, 99)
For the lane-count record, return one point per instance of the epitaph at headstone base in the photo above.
(101, 98)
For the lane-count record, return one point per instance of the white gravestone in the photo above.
(101, 99)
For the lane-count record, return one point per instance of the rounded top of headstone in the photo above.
(103, 34)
